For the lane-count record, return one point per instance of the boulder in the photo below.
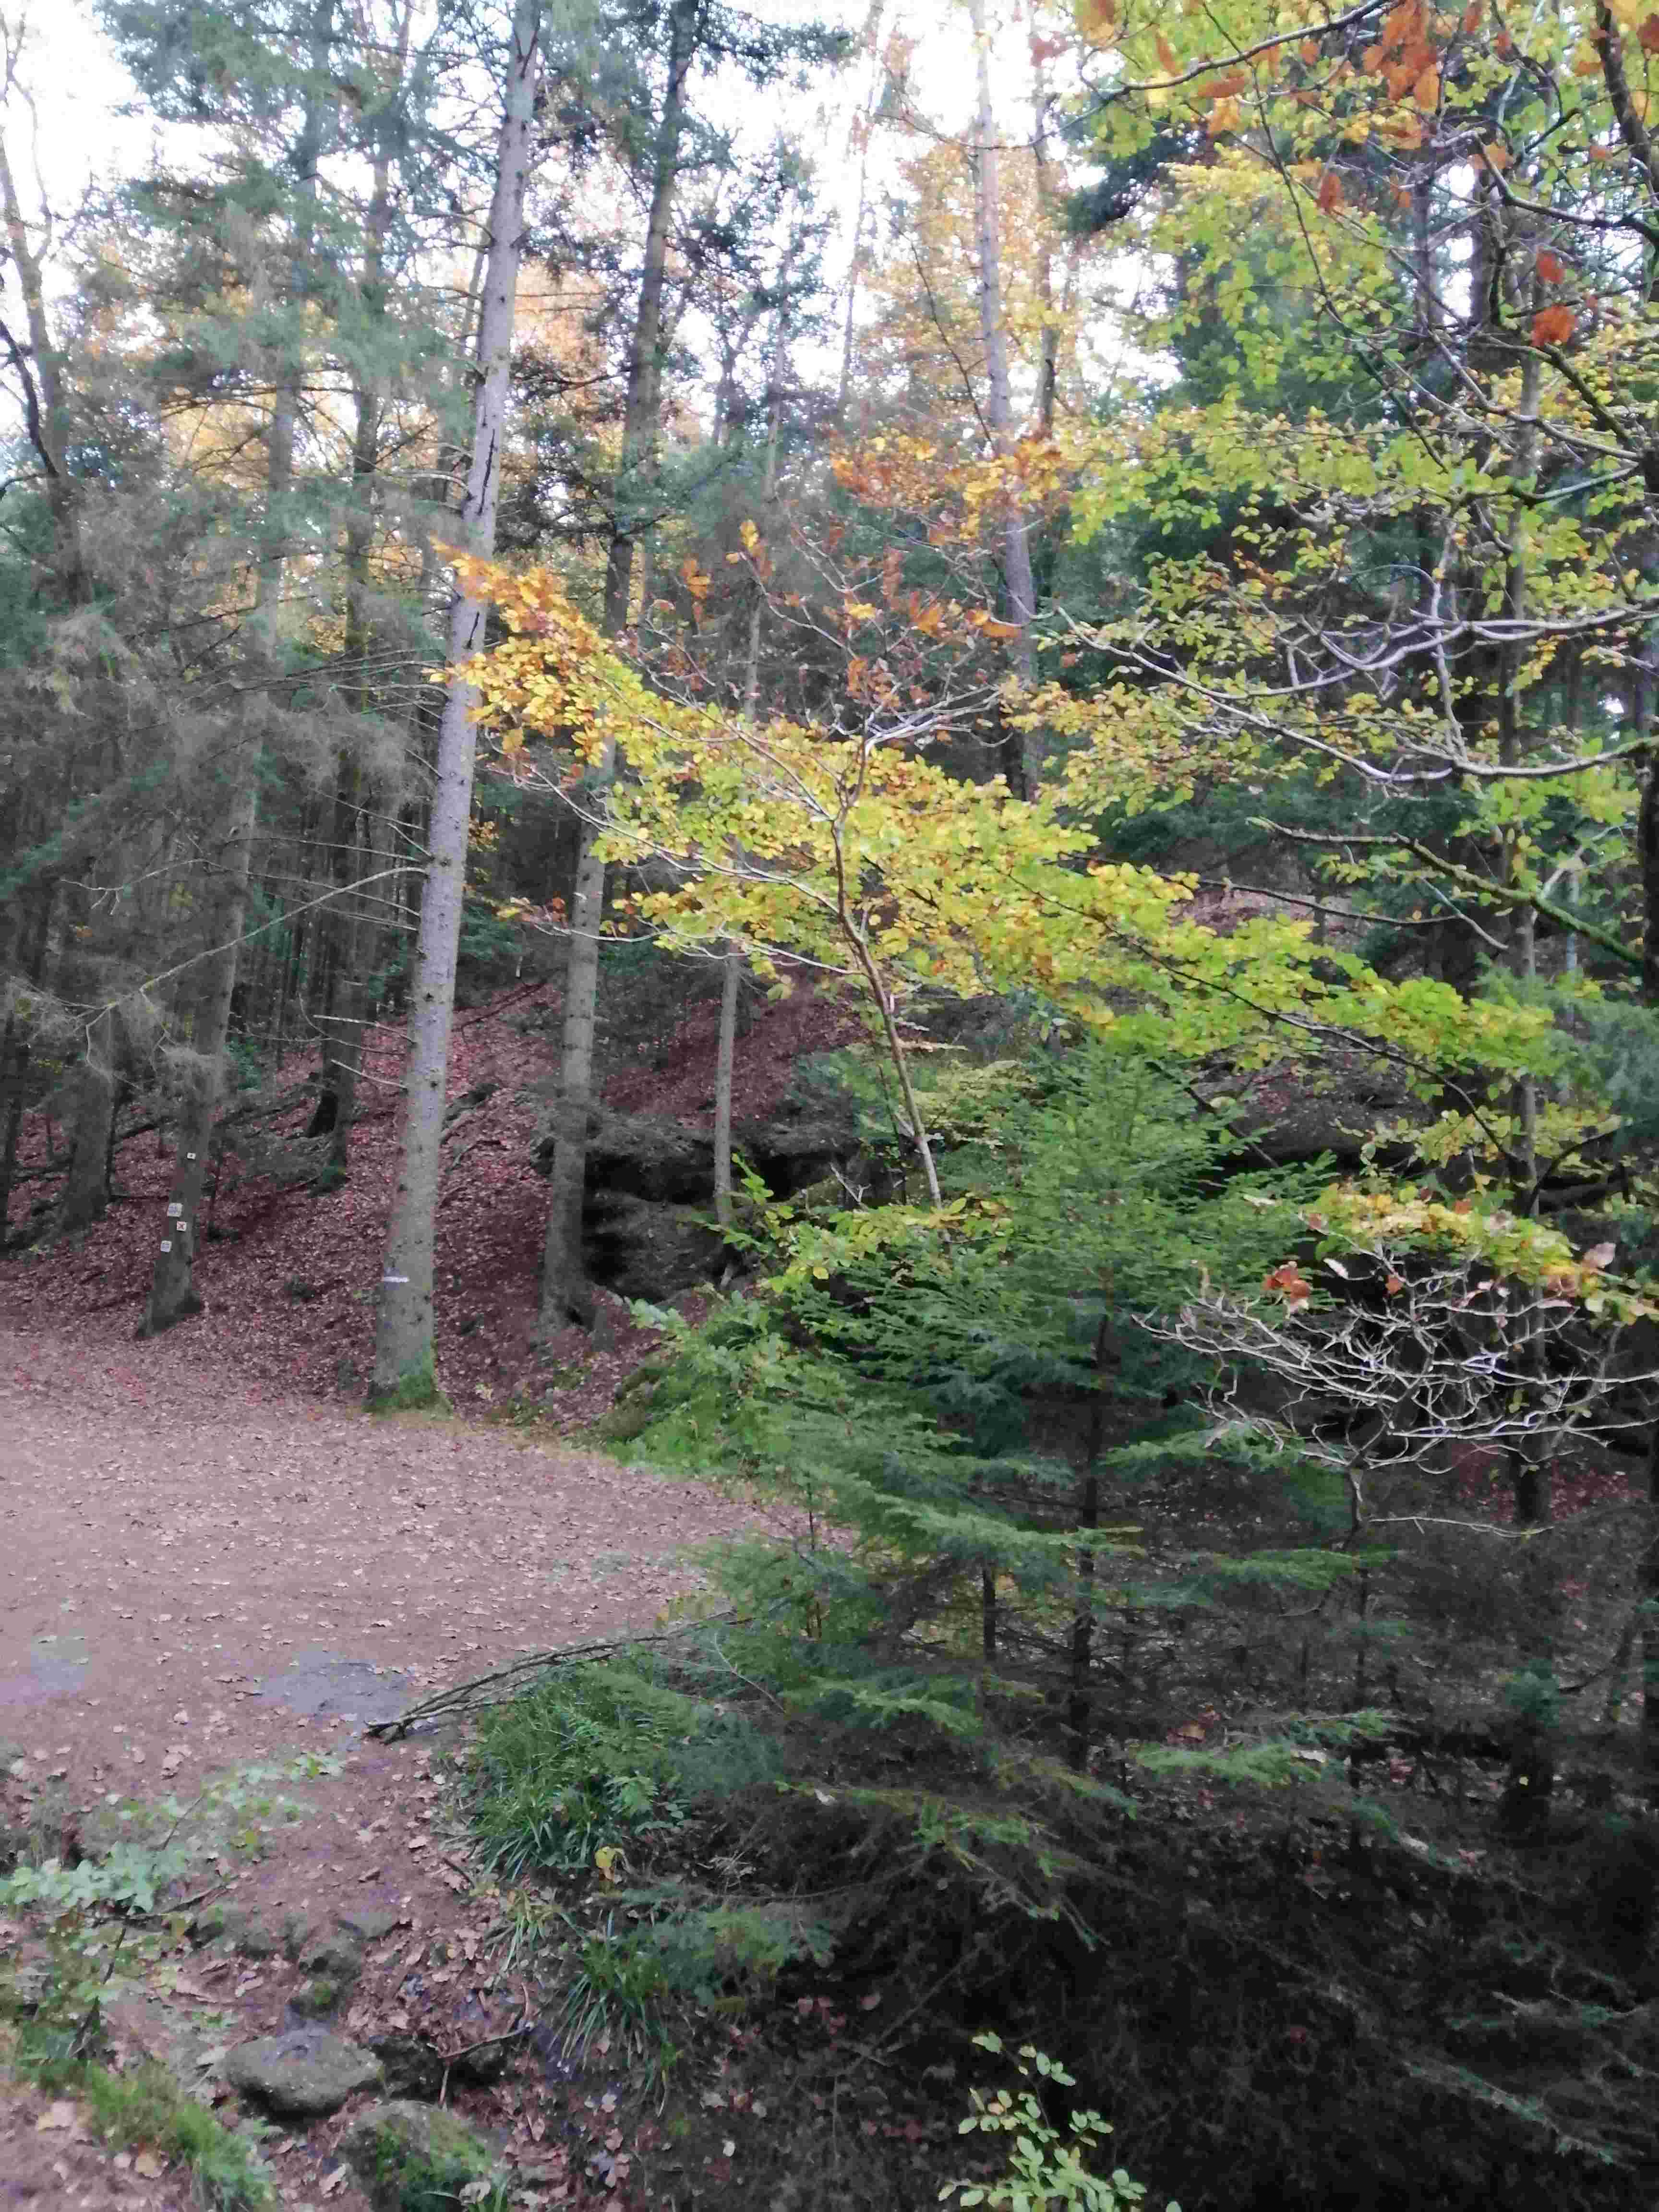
(642, 1155)
(790, 1150)
(316, 1997)
(370, 1923)
(645, 1250)
(340, 1957)
(303, 2074)
(409, 2153)
(237, 1929)
(647, 1156)
(412, 2066)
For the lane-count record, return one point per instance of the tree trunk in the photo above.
(1079, 1703)
(15, 1043)
(173, 1294)
(86, 1187)
(731, 975)
(404, 1350)
(1020, 595)
(726, 1055)
(566, 1294)
(350, 938)
(643, 408)
(45, 411)
(864, 130)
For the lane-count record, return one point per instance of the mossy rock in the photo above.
(236, 1928)
(317, 1998)
(414, 2158)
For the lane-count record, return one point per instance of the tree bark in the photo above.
(566, 1293)
(404, 1362)
(173, 1294)
(643, 409)
(43, 393)
(1018, 589)
(86, 1187)
(864, 130)
(32, 933)
(725, 1058)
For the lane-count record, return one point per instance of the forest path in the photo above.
(195, 1576)
(176, 1545)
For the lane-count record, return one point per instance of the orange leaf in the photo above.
(1166, 55)
(1426, 91)
(1497, 155)
(1309, 50)
(1554, 326)
(1225, 87)
(1551, 267)
(1647, 34)
(1372, 59)
(1472, 15)
(1330, 192)
(1097, 20)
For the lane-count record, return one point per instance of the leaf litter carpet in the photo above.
(197, 1574)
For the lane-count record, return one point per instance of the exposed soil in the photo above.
(200, 1574)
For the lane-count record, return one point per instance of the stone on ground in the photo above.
(303, 2074)
(399, 2150)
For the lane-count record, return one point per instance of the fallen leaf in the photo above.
(60, 2115)
(147, 2165)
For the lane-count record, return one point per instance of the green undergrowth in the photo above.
(1076, 1712)
(142, 2108)
(95, 1919)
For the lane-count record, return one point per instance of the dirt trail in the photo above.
(173, 1543)
(194, 1575)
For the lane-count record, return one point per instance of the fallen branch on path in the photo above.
(507, 1682)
